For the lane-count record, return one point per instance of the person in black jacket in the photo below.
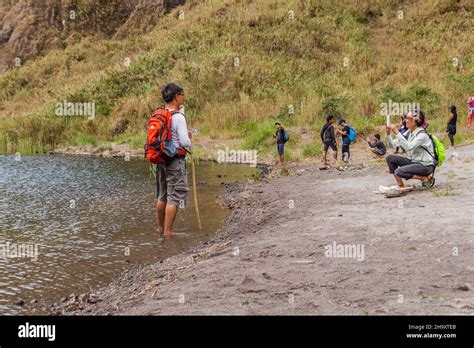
(346, 141)
(377, 147)
(328, 137)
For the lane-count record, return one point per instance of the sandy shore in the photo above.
(408, 255)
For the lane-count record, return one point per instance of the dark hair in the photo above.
(421, 119)
(170, 91)
(377, 136)
(329, 118)
(453, 110)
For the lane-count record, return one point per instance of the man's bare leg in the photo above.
(170, 215)
(282, 160)
(160, 214)
(399, 181)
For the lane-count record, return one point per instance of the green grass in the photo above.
(105, 147)
(84, 140)
(3, 143)
(281, 62)
(312, 150)
(290, 155)
(258, 136)
(28, 147)
(135, 141)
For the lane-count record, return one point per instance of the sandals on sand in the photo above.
(428, 184)
(394, 191)
(395, 188)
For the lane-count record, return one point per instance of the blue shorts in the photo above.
(281, 148)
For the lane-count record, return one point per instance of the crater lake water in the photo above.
(69, 224)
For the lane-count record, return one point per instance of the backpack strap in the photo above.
(432, 143)
(435, 156)
(325, 131)
(160, 111)
(424, 148)
(181, 150)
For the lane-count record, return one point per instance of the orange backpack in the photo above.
(159, 148)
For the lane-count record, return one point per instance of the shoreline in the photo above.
(267, 255)
(206, 152)
(83, 304)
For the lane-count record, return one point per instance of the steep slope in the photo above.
(244, 63)
(30, 28)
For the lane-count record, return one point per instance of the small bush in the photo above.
(312, 150)
(83, 140)
(258, 136)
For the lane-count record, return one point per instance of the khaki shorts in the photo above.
(172, 182)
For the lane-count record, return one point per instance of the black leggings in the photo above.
(405, 168)
(451, 133)
(451, 138)
(345, 148)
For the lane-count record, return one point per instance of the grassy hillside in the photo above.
(245, 63)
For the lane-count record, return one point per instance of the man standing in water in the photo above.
(171, 177)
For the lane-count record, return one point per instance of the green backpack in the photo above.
(438, 146)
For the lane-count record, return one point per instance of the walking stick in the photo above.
(198, 217)
(193, 169)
